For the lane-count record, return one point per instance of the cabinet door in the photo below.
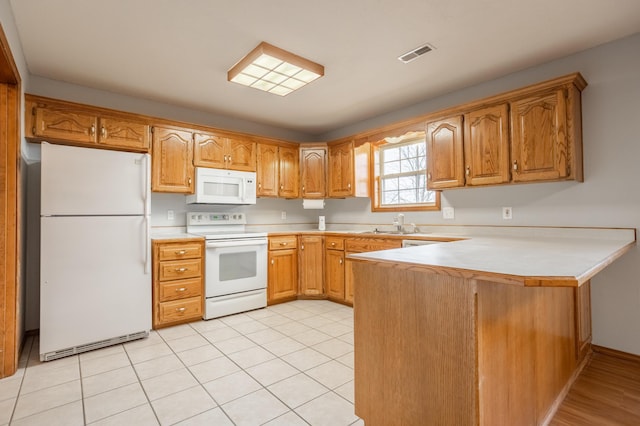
(311, 265)
(172, 161)
(209, 151)
(241, 155)
(341, 170)
(267, 170)
(124, 134)
(313, 177)
(486, 146)
(282, 278)
(335, 274)
(66, 125)
(445, 153)
(348, 280)
(289, 172)
(539, 137)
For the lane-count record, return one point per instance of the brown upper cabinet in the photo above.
(221, 152)
(172, 160)
(445, 153)
(70, 124)
(313, 172)
(348, 169)
(529, 135)
(486, 148)
(277, 171)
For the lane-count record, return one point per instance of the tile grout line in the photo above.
(15, 404)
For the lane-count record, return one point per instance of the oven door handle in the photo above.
(237, 243)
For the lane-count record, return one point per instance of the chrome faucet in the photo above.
(398, 222)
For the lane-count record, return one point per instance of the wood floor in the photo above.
(606, 393)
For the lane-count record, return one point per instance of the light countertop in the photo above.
(528, 261)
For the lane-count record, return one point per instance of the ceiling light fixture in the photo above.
(274, 70)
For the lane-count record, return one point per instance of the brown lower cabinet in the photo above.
(282, 272)
(311, 260)
(178, 281)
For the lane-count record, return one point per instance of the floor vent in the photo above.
(50, 356)
(416, 53)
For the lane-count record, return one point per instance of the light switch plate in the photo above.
(448, 213)
(170, 215)
(507, 213)
(283, 215)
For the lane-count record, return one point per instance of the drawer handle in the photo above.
(181, 309)
(333, 244)
(284, 244)
(181, 289)
(181, 252)
(181, 269)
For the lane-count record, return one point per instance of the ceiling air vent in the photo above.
(415, 53)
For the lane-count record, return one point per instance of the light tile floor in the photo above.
(288, 364)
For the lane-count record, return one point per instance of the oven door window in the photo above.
(236, 266)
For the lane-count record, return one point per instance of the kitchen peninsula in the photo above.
(490, 330)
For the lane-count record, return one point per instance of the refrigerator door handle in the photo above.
(147, 246)
(146, 189)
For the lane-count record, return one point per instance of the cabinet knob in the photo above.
(181, 309)
(341, 261)
(229, 158)
(333, 244)
(92, 130)
(272, 261)
(302, 188)
(182, 269)
(302, 247)
(103, 132)
(468, 171)
(515, 165)
(349, 186)
(429, 176)
(181, 289)
(281, 186)
(259, 185)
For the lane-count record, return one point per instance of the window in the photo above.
(400, 171)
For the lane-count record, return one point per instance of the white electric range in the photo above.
(236, 263)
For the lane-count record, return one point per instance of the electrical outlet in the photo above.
(283, 215)
(507, 213)
(170, 215)
(448, 213)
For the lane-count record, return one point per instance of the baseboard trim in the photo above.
(616, 353)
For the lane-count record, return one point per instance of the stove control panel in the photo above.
(199, 218)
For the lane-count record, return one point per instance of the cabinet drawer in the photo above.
(284, 242)
(361, 245)
(177, 269)
(179, 289)
(334, 243)
(180, 310)
(180, 251)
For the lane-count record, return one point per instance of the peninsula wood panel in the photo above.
(415, 348)
(448, 349)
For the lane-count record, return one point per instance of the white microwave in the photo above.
(217, 186)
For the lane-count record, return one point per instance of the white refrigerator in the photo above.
(95, 264)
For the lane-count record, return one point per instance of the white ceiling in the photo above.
(178, 52)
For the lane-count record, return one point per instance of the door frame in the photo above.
(11, 282)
